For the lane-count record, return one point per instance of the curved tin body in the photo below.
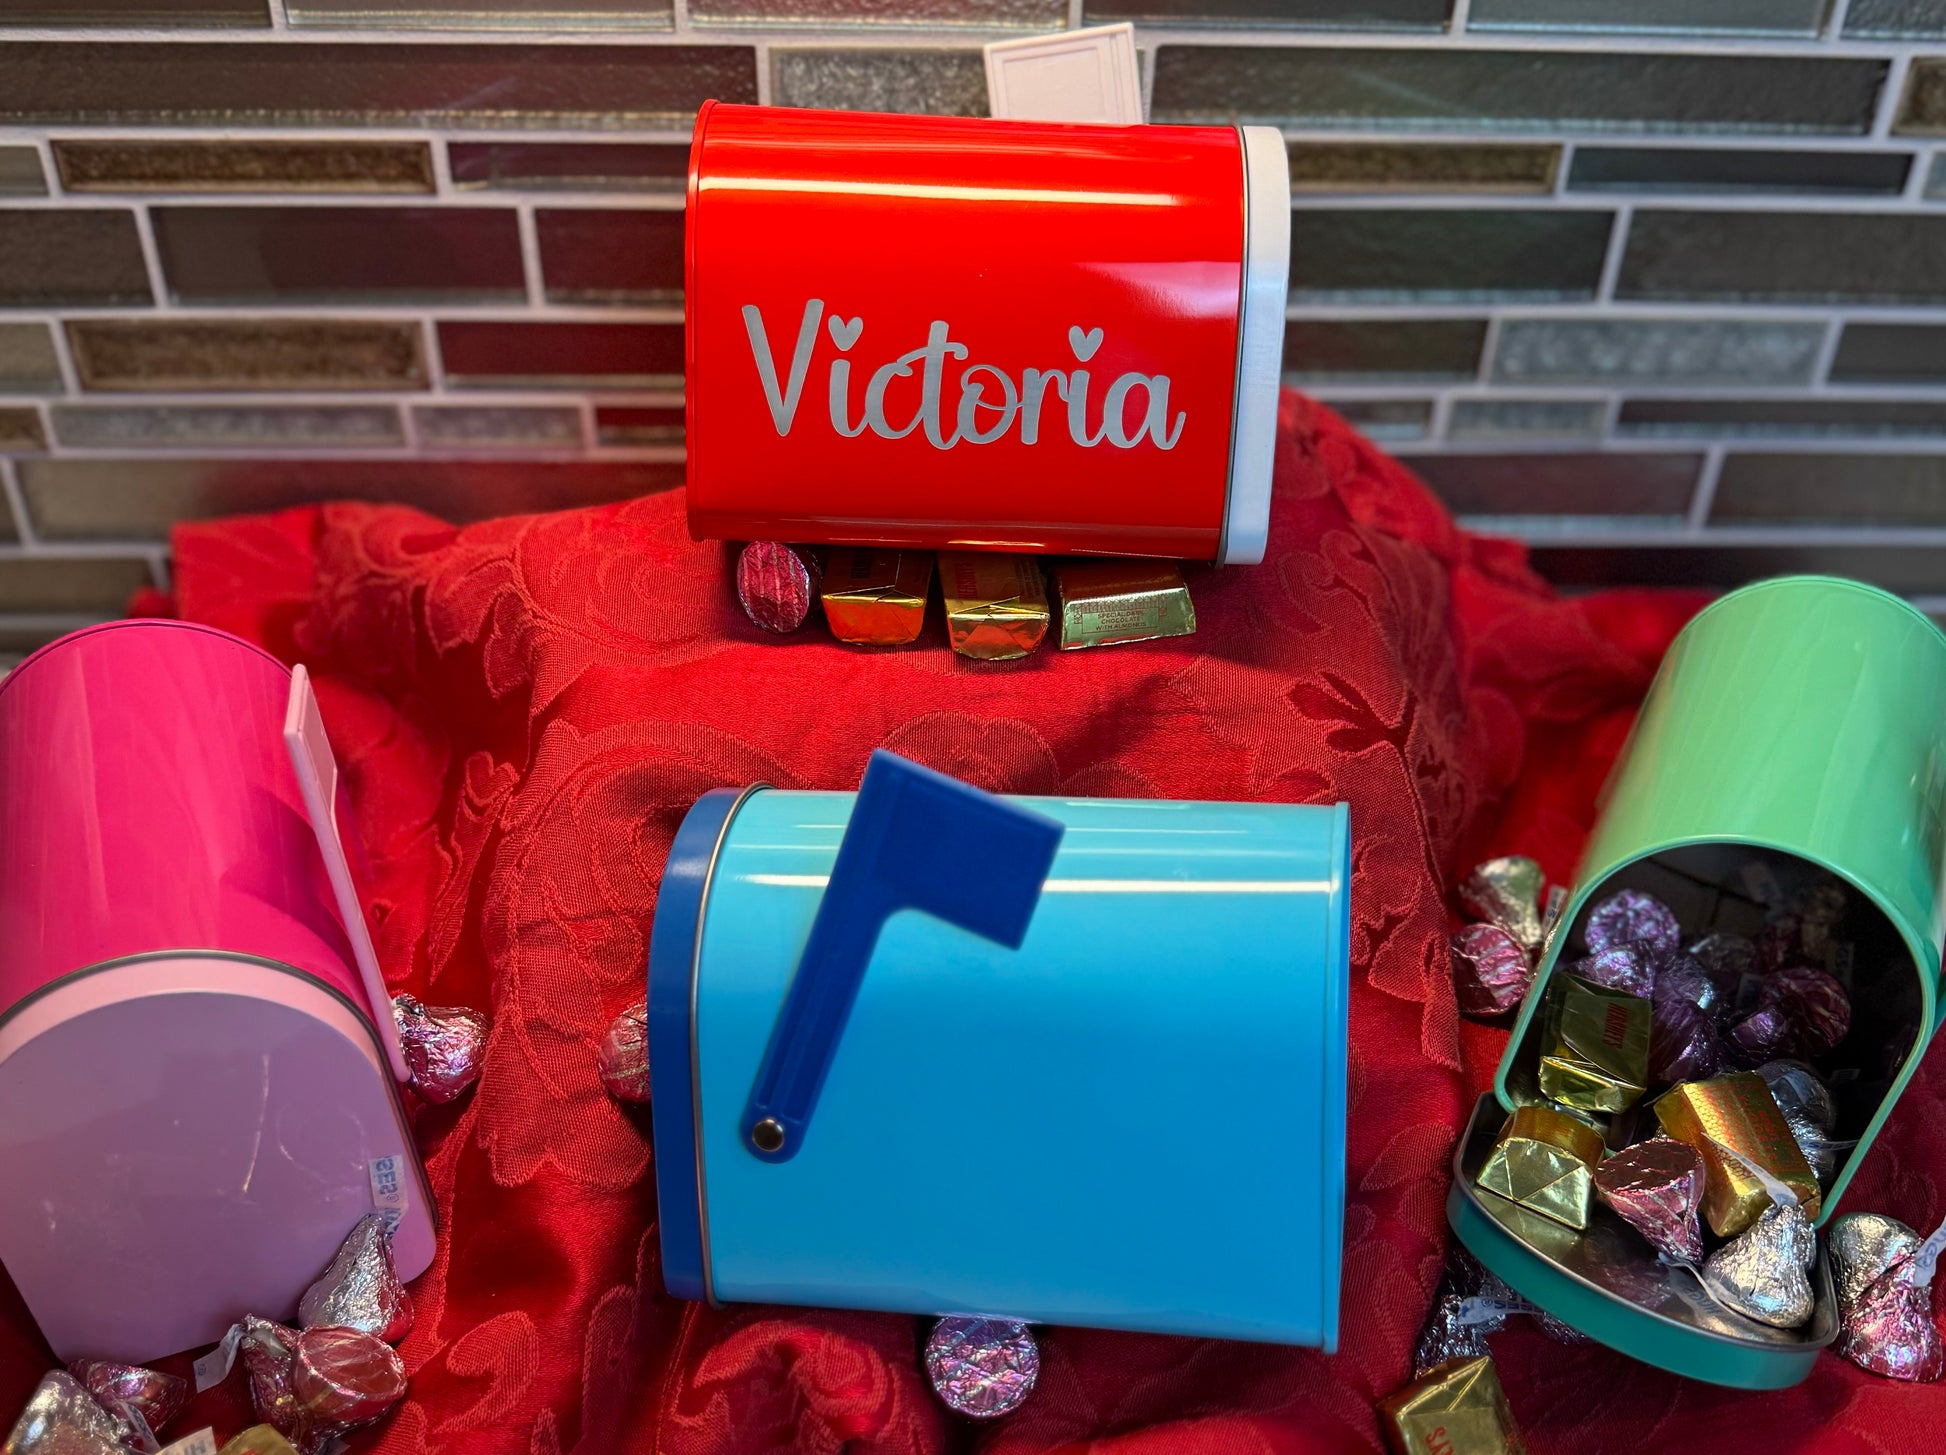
(939, 332)
(1134, 1121)
(193, 1077)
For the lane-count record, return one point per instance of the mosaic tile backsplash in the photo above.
(1658, 285)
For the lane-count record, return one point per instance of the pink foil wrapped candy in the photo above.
(623, 1056)
(267, 1351)
(1619, 967)
(1507, 892)
(1726, 958)
(1630, 917)
(444, 1046)
(1491, 972)
(982, 1368)
(1656, 1187)
(1683, 1043)
(1818, 1008)
(361, 1289)
(1889, 1328)
(130, 1393)
(777, 585)
(62, 1418)
(343, 1379)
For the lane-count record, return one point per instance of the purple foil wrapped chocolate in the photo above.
(982, 1368)
(1726, 958)
(777, 585)
(361, 1289)
(1630, 917)
(1818, 1008)
(1683, 1043)
(1491, 972)
(62, 1418)
(131, 1393)
(1507, 892)
(1889, 1328)
(1656, 1187)
(1764, 1035)
(1619, 967)
(623, 1056)
(1780, 942)
(1681, 976)
(445, 1046)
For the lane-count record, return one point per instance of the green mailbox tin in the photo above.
(1795, 731)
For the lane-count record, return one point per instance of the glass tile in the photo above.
(539, 166)
(1656, 350)
(932, 14)
(1604, 484)
(134, 12)
(244, 166)
(1489, 419)
(78, 256)
(630, 424)
(1781, 417)
(338, 254)
(246, 353)
(20, 173)
(1337, 14)
(1922, 110)
(611, 255)
(1786, 257)
(1446, 255)
(1833, 489)
(1710, 169)
(940, 83)
(140, 499)
(1913, 570)
(1745, 17)
(27, 361)
(1391, 349)
(496, 426)
(96, 586)
(1347, 166)
(600, 87)
(1386, 419)
(1890, 353)
(1455, 90)
(226, 426)
(20, 429)
(1915, 19)
(485, 14)
(567, 355)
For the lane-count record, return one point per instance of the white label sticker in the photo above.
(388, 1189)
(203, 1442)
(214, 1367)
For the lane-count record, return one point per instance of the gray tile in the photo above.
(540, 166)
(246, 353)
(1337, 14)
(630, 424)
(1752, 169)
(1492, 419)
(1922, 110)
(1450, 89)
(20, 430)
(1832, 490)
(20, 173)
(225, 426)
(1691, 418)
(1913, 570)
(1606, 484)
(1353, 166)
(1920, 19)
(129, 499)
(1387, 419)
(257, 84)
(1935, 183)
(27, 361)
(563, 355)
(1890, 353)
(1656, 350)
(610, 254)
(250, 13)
(485, 14)
(496, 426)
(1446, 255)
(78, 256)
(340, 254)
(1395, 350)
(96, 587)
(1746, 17)
(933, 14)
(1785, 257)
(936, 82)
(234, 165)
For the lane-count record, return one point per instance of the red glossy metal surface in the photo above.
(979, 334)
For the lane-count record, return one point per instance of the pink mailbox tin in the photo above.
(198, 1078)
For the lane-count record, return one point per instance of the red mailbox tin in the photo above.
(988, 335)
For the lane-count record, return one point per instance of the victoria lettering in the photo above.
(990, 402)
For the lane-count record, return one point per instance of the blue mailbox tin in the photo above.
(1133, 1120)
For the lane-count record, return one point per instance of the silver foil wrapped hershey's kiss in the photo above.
(62, 1418)
(141, 1400)
(445, 1046)
(623, 1056)
(361, 1289)
(1887, 1325)
(1507, 892)
(1762, 1272)
(982, 1368)
(1862, 1246)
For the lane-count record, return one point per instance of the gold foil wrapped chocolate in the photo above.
(876, 598)
(1737, 1112)
(996, 606)
(1457, 1408)
(1594, 1046)
(1545, 1160)
(1106, 602)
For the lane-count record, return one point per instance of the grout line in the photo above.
(1915, 182)
(1440, 422)
(50, 169)
(1827, 351)
(279, 15)
(762, 61)
(442, 165)
(530, 254)
(1076, 16)
(16, 504)
(1611, 263)
(1611, 417)
(679, 20)
(1459, 17)
(409, 427)
(1145, 76)
(1705, 494)
(590, 431)
(64, 359)
(1489, 349)
(1834, 20)
(435, 360)
(152, 259)
(1563, 165)
(1891, 97)
(159, 569)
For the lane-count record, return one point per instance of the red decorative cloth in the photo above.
(525, 708)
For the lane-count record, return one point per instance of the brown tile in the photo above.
(1890, 353)
(340, 254)
(134, 12)
(1793, 257)
(27, 361)
(246, 353)
(1922, 110)
(540, 166)
(1909, 569)
(632, 424)
(41, 584)
(83, 256)
(244, 166)
(20, 173)
(227, 426)
(930, 14)
(1383, 348)
(1801, 488)
(608, 255)
(1333, 14)
(74, 500)
(1606, 484)
(255, 84)
(1381, 254)
(20, 429)
(1781, 417)
(486, 14)
(497, 426)
(1344, 166)
(605, 355)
